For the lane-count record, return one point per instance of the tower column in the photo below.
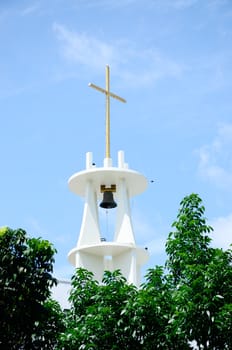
(124, 230)
(90, 230)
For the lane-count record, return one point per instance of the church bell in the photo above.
(108, 198)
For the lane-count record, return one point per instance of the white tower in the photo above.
(93, 183)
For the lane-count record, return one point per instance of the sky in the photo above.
(170, 59)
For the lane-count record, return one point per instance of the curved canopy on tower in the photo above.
(136, 183)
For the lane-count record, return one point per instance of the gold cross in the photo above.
(108, 94)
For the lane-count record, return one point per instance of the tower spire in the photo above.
(108, 94)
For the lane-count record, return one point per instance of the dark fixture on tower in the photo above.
(108, 198)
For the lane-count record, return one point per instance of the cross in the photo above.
(108, 94)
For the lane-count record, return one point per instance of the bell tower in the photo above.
(112, 186)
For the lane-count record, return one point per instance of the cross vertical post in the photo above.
(107, 112)
(108, 94)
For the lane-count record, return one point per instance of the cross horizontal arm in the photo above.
(108, 93)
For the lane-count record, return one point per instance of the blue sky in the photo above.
(170, 59)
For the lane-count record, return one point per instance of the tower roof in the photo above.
(136, 183)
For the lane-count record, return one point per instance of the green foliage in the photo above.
(201, 277)
(152, 311)
(188, 245)
(47, 330)
(190, 300)
(97, 319)
(25, 284)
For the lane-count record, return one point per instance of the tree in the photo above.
(190, 299)
(115, 315)
(202, 279)
(25, 286)
(47, 330)
(97, 318)
(151, 312)
(188, 245)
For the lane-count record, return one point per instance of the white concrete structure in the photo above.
(122, 253)
(91, 252)
(61, 293)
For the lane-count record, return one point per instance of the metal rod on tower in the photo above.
(108, 94)
(107, 112)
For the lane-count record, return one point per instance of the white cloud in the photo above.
(30, 9)
(222, 235)
(138, 66)
(176, 4)
(110, 4)
(147, 235)
(155, 67)
(84, 49)
(35, 228)
(216, 4)
(180, 4)
(215, 158)
(10, 91)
